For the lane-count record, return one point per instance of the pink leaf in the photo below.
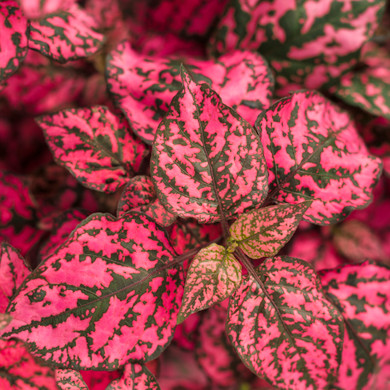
(313, 151)
(143, 87)
(18, 217)
(214, 353)
(13, 32)
(186, 333)
(66, 35)
(107, 296)
(212, 277)
(362, 293)
(292, 337)
(206, 160)
(20, 371)
(96, 146)
(263, 232)
(309, 43)
(70, 380)
(139, 195)
(135, 377)
(357, 242)
(13, 271)
(36, 9)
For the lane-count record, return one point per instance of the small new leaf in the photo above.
(212, 277)
(263, 232)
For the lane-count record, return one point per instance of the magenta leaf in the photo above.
(36, 9)
(369, 87)
(19, 370)
(186, 333)
(212, 277)
(66, 35)
(13, 32)
(357, 242)
(107, 296)
(362, 294)
(263, 232)
(135, 377)
(290, 335)
(215, 354)
(309, 43)
(139, 195)
(69, 380)
(143, 87)
(96, 146)
(18, 215)
(13, 271)
(207, 162)
(313, 151)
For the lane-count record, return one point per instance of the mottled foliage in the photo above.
(207, 162)
(70, 380)
(286, 332)
(101, 289)
(313, 151)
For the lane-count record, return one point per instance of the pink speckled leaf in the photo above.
(369, 87)
(263, 232)
(107, 296)
(18, 214)
(135, 377)
(66, 35)
(212, 277)
(143, 87)
(313, 151)
(13, 33)
(36, 9)
(207, 161)
(215, 354)
(293, 337)
(13, 271)
(362, 294)
(139, 195)
(96, 146)
(69, 380)
(308, 42)
(63, 225)
(357, 242)
(19, 370)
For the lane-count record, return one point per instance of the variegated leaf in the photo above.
(140, 196)
(13, 271)
(13, 32)
(206, 160)
(357, 242)
(290, 335)
(66, 35)
(107, 296)
(212, 277)
(69, 380)
(135, 377)
(215, 354)
(18, 215)
(263, 232)
(96, 146)
(369, 87)
(143, 87)
(308, 43)
(362, 293)
(313, 151)
(19, 370)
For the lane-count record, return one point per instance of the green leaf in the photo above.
(213, 276)
(264, 232)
